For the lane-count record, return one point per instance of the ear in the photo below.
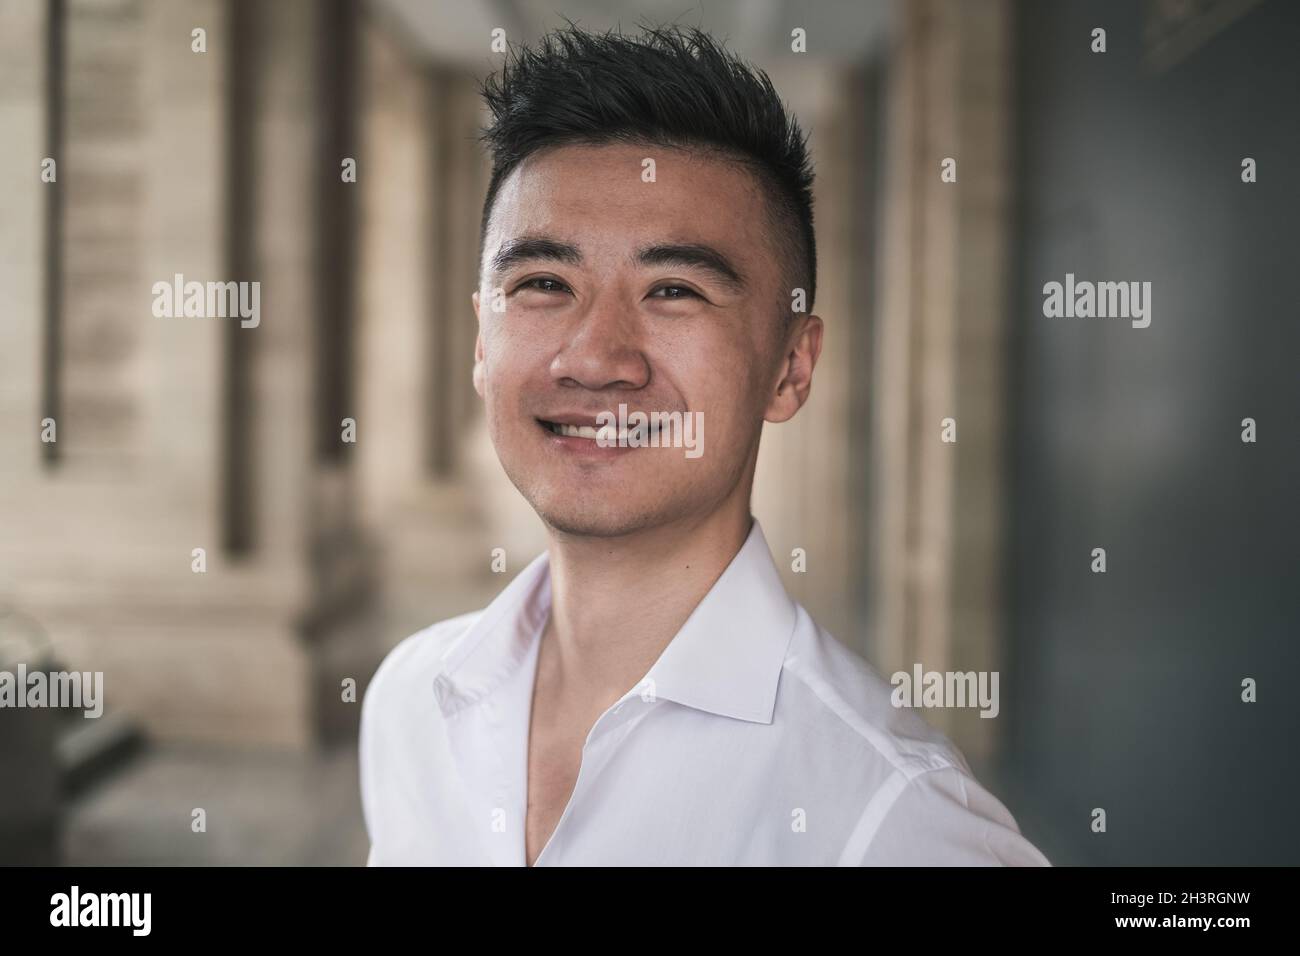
(478, 349)
(794, 380)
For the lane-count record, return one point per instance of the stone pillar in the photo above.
(399, 289)
(941, 337)
(29, 811)
(100, 548)
(462, 185)
(22, 240)
(421, 185)
(802, 490)
(180, 209)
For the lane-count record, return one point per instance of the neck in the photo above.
(616, 603)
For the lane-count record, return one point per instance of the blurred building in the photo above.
(208, 139)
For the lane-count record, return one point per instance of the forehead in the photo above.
(598, 198)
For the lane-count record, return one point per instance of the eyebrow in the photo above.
(686, 255)
(693, 256)
(515, 251)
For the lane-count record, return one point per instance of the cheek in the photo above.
(726, 400)
(515, 370)
(722, 375)
(497, 387)
(501, 360)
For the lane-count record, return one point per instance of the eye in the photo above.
(544, 284)
(674, 292)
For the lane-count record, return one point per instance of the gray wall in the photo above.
(1127, 684)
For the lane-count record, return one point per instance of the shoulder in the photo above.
(850, 703)
(398, 713)
(410, 667)
(941, 817)
(914, 798)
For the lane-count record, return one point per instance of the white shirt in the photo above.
(755, 739)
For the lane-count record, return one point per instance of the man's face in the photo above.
(598, 289)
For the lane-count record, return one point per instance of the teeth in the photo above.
(607, 433)
(575, 431)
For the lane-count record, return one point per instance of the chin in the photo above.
(600, 521)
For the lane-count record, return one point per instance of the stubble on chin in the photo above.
(569, 521)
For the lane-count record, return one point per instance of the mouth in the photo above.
(566, 430)
(582, 434)
(578, 439)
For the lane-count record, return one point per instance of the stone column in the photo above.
(22, 239)
(28, 811)
(100, 549)
(399, 290)
(422, 184)
(803, 495)
(941, 337)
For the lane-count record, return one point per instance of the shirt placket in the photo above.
(478, 748)
(609, 730)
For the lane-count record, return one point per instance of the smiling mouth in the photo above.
(604, 436)
(576, 431)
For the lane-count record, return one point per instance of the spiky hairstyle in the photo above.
(668, 86)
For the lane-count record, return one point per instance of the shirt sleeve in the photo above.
(366, 761)
(376, 704)
(943, 817)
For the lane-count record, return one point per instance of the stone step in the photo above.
(89, 751)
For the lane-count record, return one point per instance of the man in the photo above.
(646, 692)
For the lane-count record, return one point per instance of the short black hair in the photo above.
(669, 86)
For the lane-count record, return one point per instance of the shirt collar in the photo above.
(726, 659)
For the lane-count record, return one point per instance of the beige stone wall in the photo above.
(802, 492)
(399, 168)
(936, 510)
(423, 502)
(22, 237)
(98, 546)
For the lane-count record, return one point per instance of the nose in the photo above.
(603, 350)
